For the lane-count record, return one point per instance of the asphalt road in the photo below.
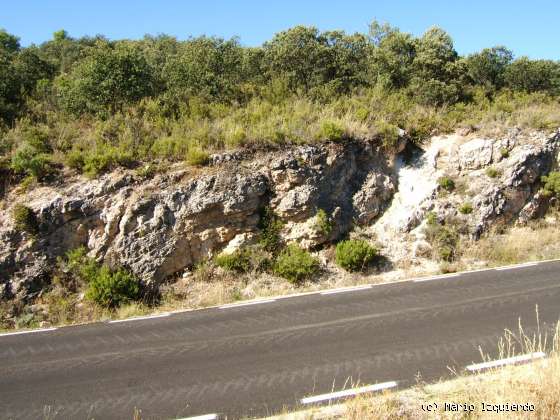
(256, 359)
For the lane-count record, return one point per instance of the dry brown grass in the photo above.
(536, 241)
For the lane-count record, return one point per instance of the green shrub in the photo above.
(389, 133)
(331, 130)
(146, 171)
(105, 287)
(323, 224)
(104, 159)
(25, 219)
(111, 289)
(75, 160)
(492, 172)
(27, 160)
(362, 114)
(237, 261)
(270, 226)
(296, 264)
(551, 184)
(354, 255)
(466, 208)
(81, 266)
(446, 183)
(197, 157)
(504, 153)
(431, 218)
(444, 239)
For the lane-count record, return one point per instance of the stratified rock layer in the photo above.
(159, 227)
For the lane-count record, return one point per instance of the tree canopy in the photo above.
(91, 103)
(98, 76)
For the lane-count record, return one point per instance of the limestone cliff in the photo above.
(158, 227)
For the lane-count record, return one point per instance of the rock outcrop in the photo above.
(159, 227)
(495, 180)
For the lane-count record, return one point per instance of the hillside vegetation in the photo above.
(91, 104)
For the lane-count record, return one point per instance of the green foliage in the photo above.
(270, 226)
(431, 218)
(331, 130)
(488, 67)
(534, 75)
(237, 261)
(444, 239)
(492, 172)
(504, 153)
(393, 57)
(105, 287)
(147, 171)
(103, 159)
(319, 63)
(388, 133)
(296, 264)
(551, 183)
(446, 183)
(252, 258)
(109, 77)
(197, 157)
(208, 67)
(324, 224)
(25, 219)
(355, 255)
(466, 208)
(95, 104)
(27, 160)
(111, 289)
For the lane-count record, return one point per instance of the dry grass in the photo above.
(536, 241)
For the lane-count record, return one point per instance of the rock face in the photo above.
(159, 227)
(499, 179)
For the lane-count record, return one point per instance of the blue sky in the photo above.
(527, 27)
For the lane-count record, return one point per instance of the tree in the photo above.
(436, 73)
(487, 68)
(109, 77)
(159, 51)
(434, 53)
(379, 31)
(533, 75)
(347, 62)
(9, 43)
(30, 68)
(10, 96)
(392, 59)
(299, 55)
(318, 63)
(207, 67)
(63, 51)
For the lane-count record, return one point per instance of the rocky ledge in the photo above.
(160, 226)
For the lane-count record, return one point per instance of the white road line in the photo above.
(349, 392)
(346, 289)
(204, 417)
(253, 302)
(28, 332)
(442, 277)
(511, 267)
(140, 318)
(508, 361)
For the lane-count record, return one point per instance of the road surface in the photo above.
(254, 359)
